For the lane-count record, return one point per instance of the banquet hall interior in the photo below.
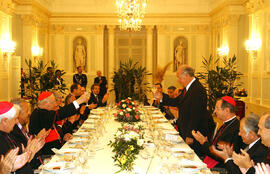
(206, 27)
(98, 36)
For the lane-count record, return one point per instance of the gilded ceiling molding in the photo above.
(225, 20)
(99, 28)
(30, 19)
(57, 29)
(201, 28)
(161, 29)
(111, 29)
(149, 29)
(254, 5)
(7, 6)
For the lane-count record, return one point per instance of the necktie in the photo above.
(184, 92)
(24, 133)
(97, 98)
(219, 133)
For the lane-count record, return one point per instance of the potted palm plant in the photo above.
(219, 80)
(129, 81)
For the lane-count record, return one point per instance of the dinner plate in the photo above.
(191, 166)
(58, 167)
(68, 151)
(81, 134)
(78, 140)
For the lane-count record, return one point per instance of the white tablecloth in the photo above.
(103, 163)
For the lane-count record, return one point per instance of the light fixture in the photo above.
(131, 14)
(37, 51)
(7, 46)
(223, 51)
(252, 46)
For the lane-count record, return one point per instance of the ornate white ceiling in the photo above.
(154, 6)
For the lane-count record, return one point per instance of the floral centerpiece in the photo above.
(127, 145)
(128, 111)
(241, 93)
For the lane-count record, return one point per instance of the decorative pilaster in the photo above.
(149, 51)
(111, 58)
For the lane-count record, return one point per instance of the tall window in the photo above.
(130, 45)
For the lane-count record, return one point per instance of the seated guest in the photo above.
(243, 160)
(159, 97)
(96, 98)
(8, 118)
(7, 161)
(75, 91)
(255, 149)
(71, 122)
(46, 115)
(20, 134)
(227, 133)
(167, 109)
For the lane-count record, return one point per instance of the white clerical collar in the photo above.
(229, 119)
(251, 144)
(19, 125)
(190, 83)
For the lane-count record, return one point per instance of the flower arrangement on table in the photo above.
(127, 144)
(128, 111)
(241, 93)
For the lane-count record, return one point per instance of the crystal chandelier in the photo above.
(131, 13)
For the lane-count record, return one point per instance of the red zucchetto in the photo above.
(43, 95)
(7, 110)
(229, 100)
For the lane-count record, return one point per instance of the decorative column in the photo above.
(28, 26)
(149, 52)
(99, 54)
(111, 58)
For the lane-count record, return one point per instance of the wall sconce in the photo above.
(7, 46)
(37, 51)
(252, 46)
(223, 51)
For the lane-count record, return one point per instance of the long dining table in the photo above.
(88, 152)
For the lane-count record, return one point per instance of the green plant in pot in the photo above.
(35, 83)
(219, 80)
(130, 81)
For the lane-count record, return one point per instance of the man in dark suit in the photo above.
(160, 97)
(8, 118)
(244, 161)
(95, 98)
(46, 115)
(192, 107)
(249, 134)
(80, 78)
(226, 134)
(102, 81)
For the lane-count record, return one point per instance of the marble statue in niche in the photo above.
(180, 52)
(79, 52)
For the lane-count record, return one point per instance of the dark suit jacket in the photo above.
(42, 118)
(162, 103)
(20, 138)
(258, 152)
(80, 79)
(193, 112)
(102, 85)
(94, 100)
(229, 134)
(6, 144)
(17, 134)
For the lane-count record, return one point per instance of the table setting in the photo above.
(148, 144)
